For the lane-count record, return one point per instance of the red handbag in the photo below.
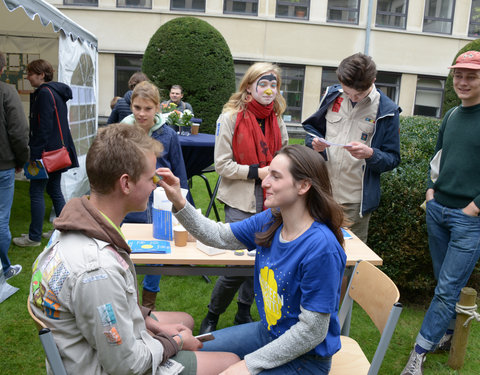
(56, 159)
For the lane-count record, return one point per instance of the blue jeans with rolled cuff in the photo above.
(454, 241)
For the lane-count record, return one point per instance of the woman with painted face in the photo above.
(249, 132)
(298, 267)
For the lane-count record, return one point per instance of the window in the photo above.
(190, 5)
(345, 11)
(389, 84)
(246, 7)
(125, 66)
(81, 2)
(329, 78)
(134, 4)
(293, 9)
(429, 96)
(474, 28)
(293, 78)
(392, 13)
(438, 16)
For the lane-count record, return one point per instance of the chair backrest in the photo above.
(378, 296)
(48, 343)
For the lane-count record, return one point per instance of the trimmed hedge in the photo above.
(189, 52)
(450, 99)
(397, 229)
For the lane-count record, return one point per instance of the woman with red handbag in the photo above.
(49, 131)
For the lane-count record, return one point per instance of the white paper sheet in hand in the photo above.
(323, 140)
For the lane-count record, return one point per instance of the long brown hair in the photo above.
(306, 164)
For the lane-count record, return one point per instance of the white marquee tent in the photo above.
(33, 29)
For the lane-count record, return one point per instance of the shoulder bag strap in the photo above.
(56, 112)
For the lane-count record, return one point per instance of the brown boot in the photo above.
(148, 299)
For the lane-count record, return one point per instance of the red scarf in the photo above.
(250, 146)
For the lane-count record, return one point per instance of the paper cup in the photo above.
(194, 129)
(180, 235)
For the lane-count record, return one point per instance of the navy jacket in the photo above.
(385, 143)
(44, 132)
(122, 109)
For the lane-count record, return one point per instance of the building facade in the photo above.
(412, 42)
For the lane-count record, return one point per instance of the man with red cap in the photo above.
(453, 207)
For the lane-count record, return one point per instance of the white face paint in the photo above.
(264, 89)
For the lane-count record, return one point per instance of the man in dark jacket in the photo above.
(13, 155)
(122, 107)
(357, 131)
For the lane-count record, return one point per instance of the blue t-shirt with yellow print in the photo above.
(304, 272)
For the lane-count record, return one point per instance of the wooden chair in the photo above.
(378, 295)
(48, 343)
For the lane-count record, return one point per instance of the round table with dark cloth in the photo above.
(197, 152)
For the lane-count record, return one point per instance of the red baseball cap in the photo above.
(467, 60)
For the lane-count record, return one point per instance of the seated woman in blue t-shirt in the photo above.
(299, 266)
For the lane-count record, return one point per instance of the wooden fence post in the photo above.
(456, 357)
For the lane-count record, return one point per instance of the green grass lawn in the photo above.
(21, 352)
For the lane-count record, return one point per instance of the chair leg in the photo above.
(212, 200)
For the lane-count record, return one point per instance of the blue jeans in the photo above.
(37, 202)
(454, 241)
(7, 187)
(246, 338)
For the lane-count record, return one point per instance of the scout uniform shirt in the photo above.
(347, 123)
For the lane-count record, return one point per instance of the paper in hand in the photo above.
(323, 140)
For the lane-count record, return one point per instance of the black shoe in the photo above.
(208, 325)
(242, 319)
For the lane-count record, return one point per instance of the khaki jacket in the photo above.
(235, 190)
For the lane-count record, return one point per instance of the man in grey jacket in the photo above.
(13, 155)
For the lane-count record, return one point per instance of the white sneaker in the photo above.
(13, 271)
(25, 241)
(414, 365)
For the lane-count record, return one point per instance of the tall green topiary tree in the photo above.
(189, 52)
(450, 99)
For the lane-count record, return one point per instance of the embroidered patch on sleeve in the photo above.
(113, 337)
(50, 302)
(87, 280)
(337, 104)
(107, 316)
(59, 276)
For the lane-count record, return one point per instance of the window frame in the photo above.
(474, 23)
(72, 3)
(293, 5)
(135, 6)
(356, 11)
(254, 14)
(395, 14)
(188, 9)
(440, 19)
(125, 68)
(443, 80)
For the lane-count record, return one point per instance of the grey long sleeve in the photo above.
(207, 231)
(306, 334)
